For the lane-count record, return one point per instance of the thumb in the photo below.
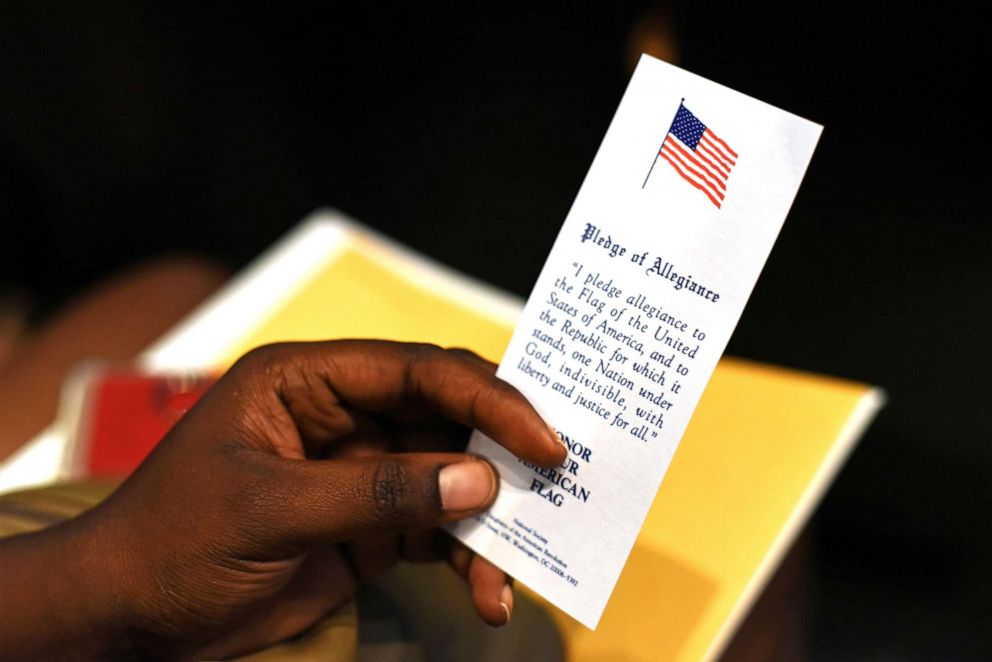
(343, 499)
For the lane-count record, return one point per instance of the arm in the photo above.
(59, 594)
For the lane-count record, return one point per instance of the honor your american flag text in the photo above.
(697, 154)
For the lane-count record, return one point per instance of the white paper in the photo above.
(613, 349)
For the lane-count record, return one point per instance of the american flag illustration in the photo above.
(698, 155)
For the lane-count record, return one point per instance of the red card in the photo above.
(125, 413)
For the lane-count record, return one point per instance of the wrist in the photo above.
(105, 590)
(65, 593)
(124, 613)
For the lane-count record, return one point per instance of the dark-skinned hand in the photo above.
(306, 469)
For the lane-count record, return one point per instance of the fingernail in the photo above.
(466, 485)
(506, 602)
(557, 439)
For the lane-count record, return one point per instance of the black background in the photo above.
(465, 131)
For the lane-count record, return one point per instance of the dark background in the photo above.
(465, 132)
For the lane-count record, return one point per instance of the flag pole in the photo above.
(653, 162)
(662, 145)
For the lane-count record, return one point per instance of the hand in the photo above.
(307, 468)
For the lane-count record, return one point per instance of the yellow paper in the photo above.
(757, 455)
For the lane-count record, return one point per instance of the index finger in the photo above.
(377, 375)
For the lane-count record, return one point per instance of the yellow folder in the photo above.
(761, 449)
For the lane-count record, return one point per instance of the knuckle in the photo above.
(423, 352)
(395, 494)
(466, 353)
(420, 357)
(489, 403)
(390, 487)
(261, 358)
(473, 358)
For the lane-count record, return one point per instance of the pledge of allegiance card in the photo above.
(635, 304)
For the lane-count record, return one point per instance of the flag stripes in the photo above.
(706, 176)
(681, 169)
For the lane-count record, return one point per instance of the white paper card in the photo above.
(635, 304)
